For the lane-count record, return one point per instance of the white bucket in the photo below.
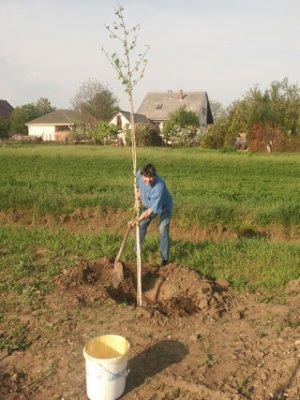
(106, 359)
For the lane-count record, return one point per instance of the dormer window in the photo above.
(159, 106)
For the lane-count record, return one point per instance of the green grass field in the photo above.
(208, 186)
(247, 194)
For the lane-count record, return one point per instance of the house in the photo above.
(158, 105)
(56, 125)
(122, 121)
(5, 109)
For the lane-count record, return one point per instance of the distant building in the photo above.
(158, 105)
(55, 126)
(5, 109)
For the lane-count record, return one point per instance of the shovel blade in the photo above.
(118, 274)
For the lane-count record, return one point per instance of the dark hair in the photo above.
(148, 170)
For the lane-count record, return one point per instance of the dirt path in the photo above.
(193, 339)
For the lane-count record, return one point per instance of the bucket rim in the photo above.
(111, 360)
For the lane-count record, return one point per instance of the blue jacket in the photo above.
(156, 196)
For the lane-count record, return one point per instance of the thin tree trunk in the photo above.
(136, 205)
(125, 73)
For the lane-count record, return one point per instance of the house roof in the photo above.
(5, 109)
(158, 105)
(138, 118)
(58, 117)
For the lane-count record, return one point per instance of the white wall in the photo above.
(43, 131)
(125, 123)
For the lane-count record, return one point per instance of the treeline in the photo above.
(21, 115)
(93, 99)
(272, 114)
(268, 118)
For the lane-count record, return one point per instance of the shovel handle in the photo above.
(123, 244)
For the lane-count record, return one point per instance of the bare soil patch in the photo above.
(96, 221)
(192, 339)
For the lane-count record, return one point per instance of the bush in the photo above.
(146, 135)
(180, 119)
(185, 137)
(261, 136)
(104, 132)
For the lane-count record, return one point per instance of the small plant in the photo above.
(244, 388)
(293, 319)
(173, 394)
(46, 374)
(261, 335)
(15, 336)
(208, 362)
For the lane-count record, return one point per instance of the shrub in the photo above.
(261, 135)
(146, 135)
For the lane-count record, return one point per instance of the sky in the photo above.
(49, 48)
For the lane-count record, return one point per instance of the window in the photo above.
(159, 106)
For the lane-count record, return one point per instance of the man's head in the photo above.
(148, 173)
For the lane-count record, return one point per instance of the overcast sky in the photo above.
(224, 47)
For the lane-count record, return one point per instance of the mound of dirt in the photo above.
(87, 281)
(181, 291)
(172, 291)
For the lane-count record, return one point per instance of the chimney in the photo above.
(180, 95)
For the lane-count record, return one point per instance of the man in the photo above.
(156, 201)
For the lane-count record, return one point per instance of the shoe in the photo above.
(164, 263)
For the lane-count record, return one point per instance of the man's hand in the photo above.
(131, 223)
(146, 214)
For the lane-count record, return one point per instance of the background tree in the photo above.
(285, 106)
(4, 127)
(20, 116)
(217, 109)
(277, 107)
(43, 107)
(27, 113)
(95, 101)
